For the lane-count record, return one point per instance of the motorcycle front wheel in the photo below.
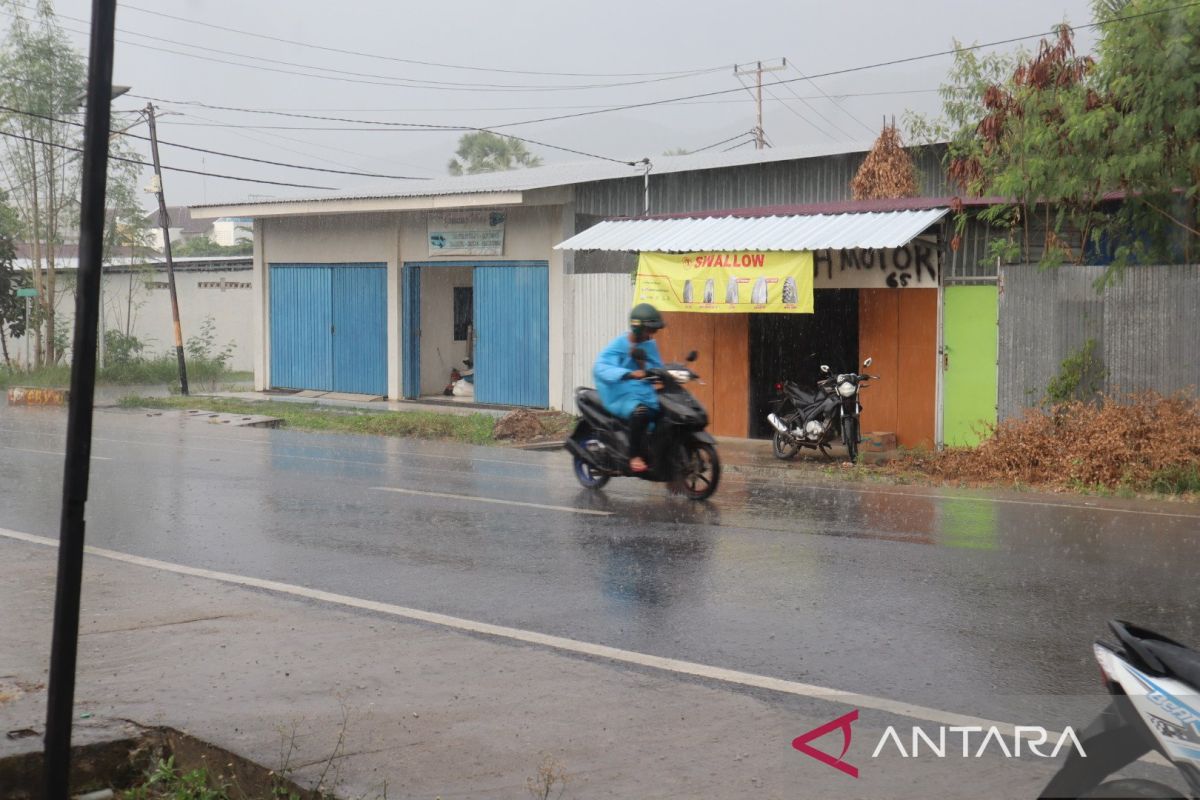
(850, 436)
(702, 471)
(783, 446)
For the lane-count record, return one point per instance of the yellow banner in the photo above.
(727, 283)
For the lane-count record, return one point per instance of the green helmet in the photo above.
(645, 317)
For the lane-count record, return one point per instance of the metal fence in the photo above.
(1145, 328)
(599, 310)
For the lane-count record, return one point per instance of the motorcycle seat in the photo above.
(590, 399)
(1183, 662)
(802, 397)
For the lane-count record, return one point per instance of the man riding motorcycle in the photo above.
(619, 379)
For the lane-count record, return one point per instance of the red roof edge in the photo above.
(848, 207)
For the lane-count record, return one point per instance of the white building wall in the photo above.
(224, 295)
(228, 231)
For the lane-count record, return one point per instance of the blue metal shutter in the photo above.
(359, 329)
(411, 321)
(512, 355)
(301, 316)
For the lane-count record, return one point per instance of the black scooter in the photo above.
(682, 452)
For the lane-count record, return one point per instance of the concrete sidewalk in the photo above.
(426, 710)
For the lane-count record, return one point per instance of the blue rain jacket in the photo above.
(619, 394)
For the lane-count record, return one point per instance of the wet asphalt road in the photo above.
(963, 604)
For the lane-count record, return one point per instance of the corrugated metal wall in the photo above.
(810, 180)
(512, 356)
(301, 316)
(360, 328)
(1145, 327)
(599, 310)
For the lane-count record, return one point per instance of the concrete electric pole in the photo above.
(166, 233)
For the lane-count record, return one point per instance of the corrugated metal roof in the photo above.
(566, 174)
(795, 232)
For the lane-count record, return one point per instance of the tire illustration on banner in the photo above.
(759, 296)
(731, 291)
(710, 291)
(687, 291)
(791, 294)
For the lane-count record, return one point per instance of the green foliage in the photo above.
(1080, 376)
(205, 246)
(1176, 480)
(121, 348)
(483, 151)
(1054, 132)
(201, 348)
(166, 782)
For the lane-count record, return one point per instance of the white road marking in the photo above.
(49, 453)
(564, 644)
(496, 500)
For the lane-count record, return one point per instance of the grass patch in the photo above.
(158, 371)
(471, 429)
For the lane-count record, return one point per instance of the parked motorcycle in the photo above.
(808, 418)
(682, 452)
(1155, 688)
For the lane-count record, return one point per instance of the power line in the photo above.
(384, 125)
(560, 107)
(172, 169)
(416, 61)
(846, 71)
(718, 144)
(218, 152)
(365, 78)
(841, 107)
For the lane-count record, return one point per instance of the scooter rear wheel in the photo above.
(588, 476)
(702, 472)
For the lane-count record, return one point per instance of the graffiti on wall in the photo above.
(914, 266)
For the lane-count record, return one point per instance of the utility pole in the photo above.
(166, 233)
(757, 71)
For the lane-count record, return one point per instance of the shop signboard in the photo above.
(914, 266)
(737, 282)
(466, 233)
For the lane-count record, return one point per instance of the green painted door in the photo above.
(969, 367)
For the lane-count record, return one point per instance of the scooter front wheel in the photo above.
(702, 471)
(588, 476)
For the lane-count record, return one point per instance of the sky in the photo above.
(515, 62)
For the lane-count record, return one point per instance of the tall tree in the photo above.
(482, 151)
(44, 79)
(1056, 133)
(12, 317)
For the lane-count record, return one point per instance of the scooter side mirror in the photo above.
(692, 356)
(825, 368)
(867, 363)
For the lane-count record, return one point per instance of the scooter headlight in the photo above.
(680, 375)
(847, 389)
